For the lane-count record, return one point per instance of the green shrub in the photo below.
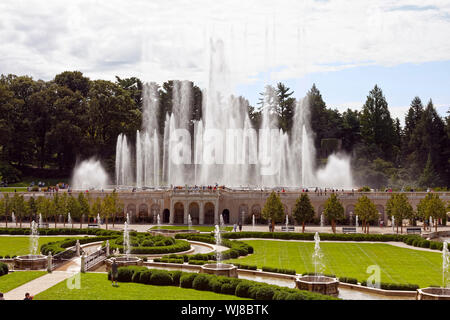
(176, 275)
(3, 269)
(227, 288)
(265, 293)
(145, 276)
(161, 278)
(201, 282)
(187, 279)
(279, 270)
(215, 285)
(242, 289)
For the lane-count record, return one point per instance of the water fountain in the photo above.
(266, 155)
(34, 260)
(158, 221)
(393, 224)
(13, 218)
(189, 222)
(99, 220)
(431, 222)
(356, 222)
(126, 259)
(321, 220)
(443, 293)
(318, 282)
(41, 221)
(219, 268)
(89, 174)
(253, 222)
(287, 222)
(69, 219)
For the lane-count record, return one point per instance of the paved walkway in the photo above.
(47, 281)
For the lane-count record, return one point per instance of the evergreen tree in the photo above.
(303, 210)
(366, 211)
(273, 209)
(377, 126)
(285, 108)
(334, 211)
(429, 177)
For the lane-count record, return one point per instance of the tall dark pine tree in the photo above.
(351, 129)
(433, 140)
(377, 126)
(318, 115)
(286, 105)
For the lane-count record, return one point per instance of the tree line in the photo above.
(53, 124)
(398, 209)
(59, 207)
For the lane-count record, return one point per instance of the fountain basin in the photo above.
(124, 261)
(30, 262)
(319, 284)
(433, 294)
(220, 269)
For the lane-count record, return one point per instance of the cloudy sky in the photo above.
(344, 46)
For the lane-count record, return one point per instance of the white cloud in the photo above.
(160, 40)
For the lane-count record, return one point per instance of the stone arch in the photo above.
(143, 212)
(131, 210)
(350, 214)
(256, 210)
(226, 216)
(179, 212)
(194, 211)
(166, 216)
(380, 209)
(209, 213)
(243, 213)
(154, 211)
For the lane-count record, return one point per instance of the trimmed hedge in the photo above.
(279, 270)
(3, 269)
(61, 231)
(219, 284)
(348, 280)
(245, 266)
(395, 286)
(56, 247)
(413, 240)
(179, 245)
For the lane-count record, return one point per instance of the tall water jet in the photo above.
(287, 222)
(219, 268)
(189, 222)
(317, 257)
(34, 239)
(393, 224)
(126, 241)
(69, 219)
(321, 220)
(13, 218)
(253, 222)
(445, 265)
(90, 174)
(158, 221)
(356, 222)
(318, 282)
(41, 221)
(99, 220)
(218, 238)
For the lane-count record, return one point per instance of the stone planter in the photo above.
(319, 284)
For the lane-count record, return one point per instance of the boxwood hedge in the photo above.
(3, 269)
(219, 284)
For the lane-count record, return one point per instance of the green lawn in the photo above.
(398, 265)
(13, 189)
(16, 279)
(12, 245)
(95, 286)
(199, 228)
